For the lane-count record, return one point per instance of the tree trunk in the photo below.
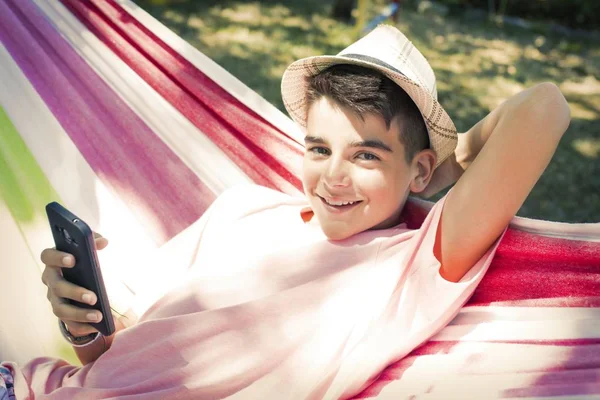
(342, 10)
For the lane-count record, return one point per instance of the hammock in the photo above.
(108, 112)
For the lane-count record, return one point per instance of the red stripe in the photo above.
(269, 157)
(537, 271)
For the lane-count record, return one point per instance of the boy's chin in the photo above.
(337, 232)
(337, 236)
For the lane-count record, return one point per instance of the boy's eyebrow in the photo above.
(314, 139)
(372, 143)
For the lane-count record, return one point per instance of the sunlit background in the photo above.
(482, 52)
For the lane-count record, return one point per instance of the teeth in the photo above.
(340, 203)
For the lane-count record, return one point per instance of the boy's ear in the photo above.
(422, 167)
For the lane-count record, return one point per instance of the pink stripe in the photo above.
(126, 155)
(566, 389)
(268, 156)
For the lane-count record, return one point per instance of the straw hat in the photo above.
(387, 50)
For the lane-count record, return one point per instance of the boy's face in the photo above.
(355, 173)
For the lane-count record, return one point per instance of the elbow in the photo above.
(552, 107)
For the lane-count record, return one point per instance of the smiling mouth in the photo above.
(340, 205)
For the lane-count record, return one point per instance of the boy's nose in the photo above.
(337, 174)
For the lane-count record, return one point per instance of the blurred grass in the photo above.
(477, 64)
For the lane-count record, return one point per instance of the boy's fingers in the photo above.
(79, 329)
(55, 258)
(101, 241)
(50, 275)
(70, 313)
(67, 290)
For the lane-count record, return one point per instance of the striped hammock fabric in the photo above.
(106, 111)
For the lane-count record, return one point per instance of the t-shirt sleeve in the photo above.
(435, 301)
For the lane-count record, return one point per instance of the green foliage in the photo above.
(576, 14)
(477, 64)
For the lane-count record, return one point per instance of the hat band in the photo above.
(372, 60)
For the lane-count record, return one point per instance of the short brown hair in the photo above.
(364, 90)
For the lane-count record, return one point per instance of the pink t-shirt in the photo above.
(270, 309)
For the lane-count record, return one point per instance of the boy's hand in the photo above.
(59, 290)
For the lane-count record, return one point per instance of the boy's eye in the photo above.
(368, 157)
(319, 150)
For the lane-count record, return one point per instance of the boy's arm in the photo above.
(506, 152)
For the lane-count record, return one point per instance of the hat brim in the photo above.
(442, 132)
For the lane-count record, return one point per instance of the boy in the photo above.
(312, 298)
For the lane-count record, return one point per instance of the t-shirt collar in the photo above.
(307, 214)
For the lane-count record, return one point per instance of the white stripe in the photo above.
(513, 324)
(217, 73)
(588, 232)
(514, 331)
(474, 315)
(195, 149)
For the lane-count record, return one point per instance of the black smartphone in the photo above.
(73, 236)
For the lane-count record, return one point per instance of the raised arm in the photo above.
(506, 153)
